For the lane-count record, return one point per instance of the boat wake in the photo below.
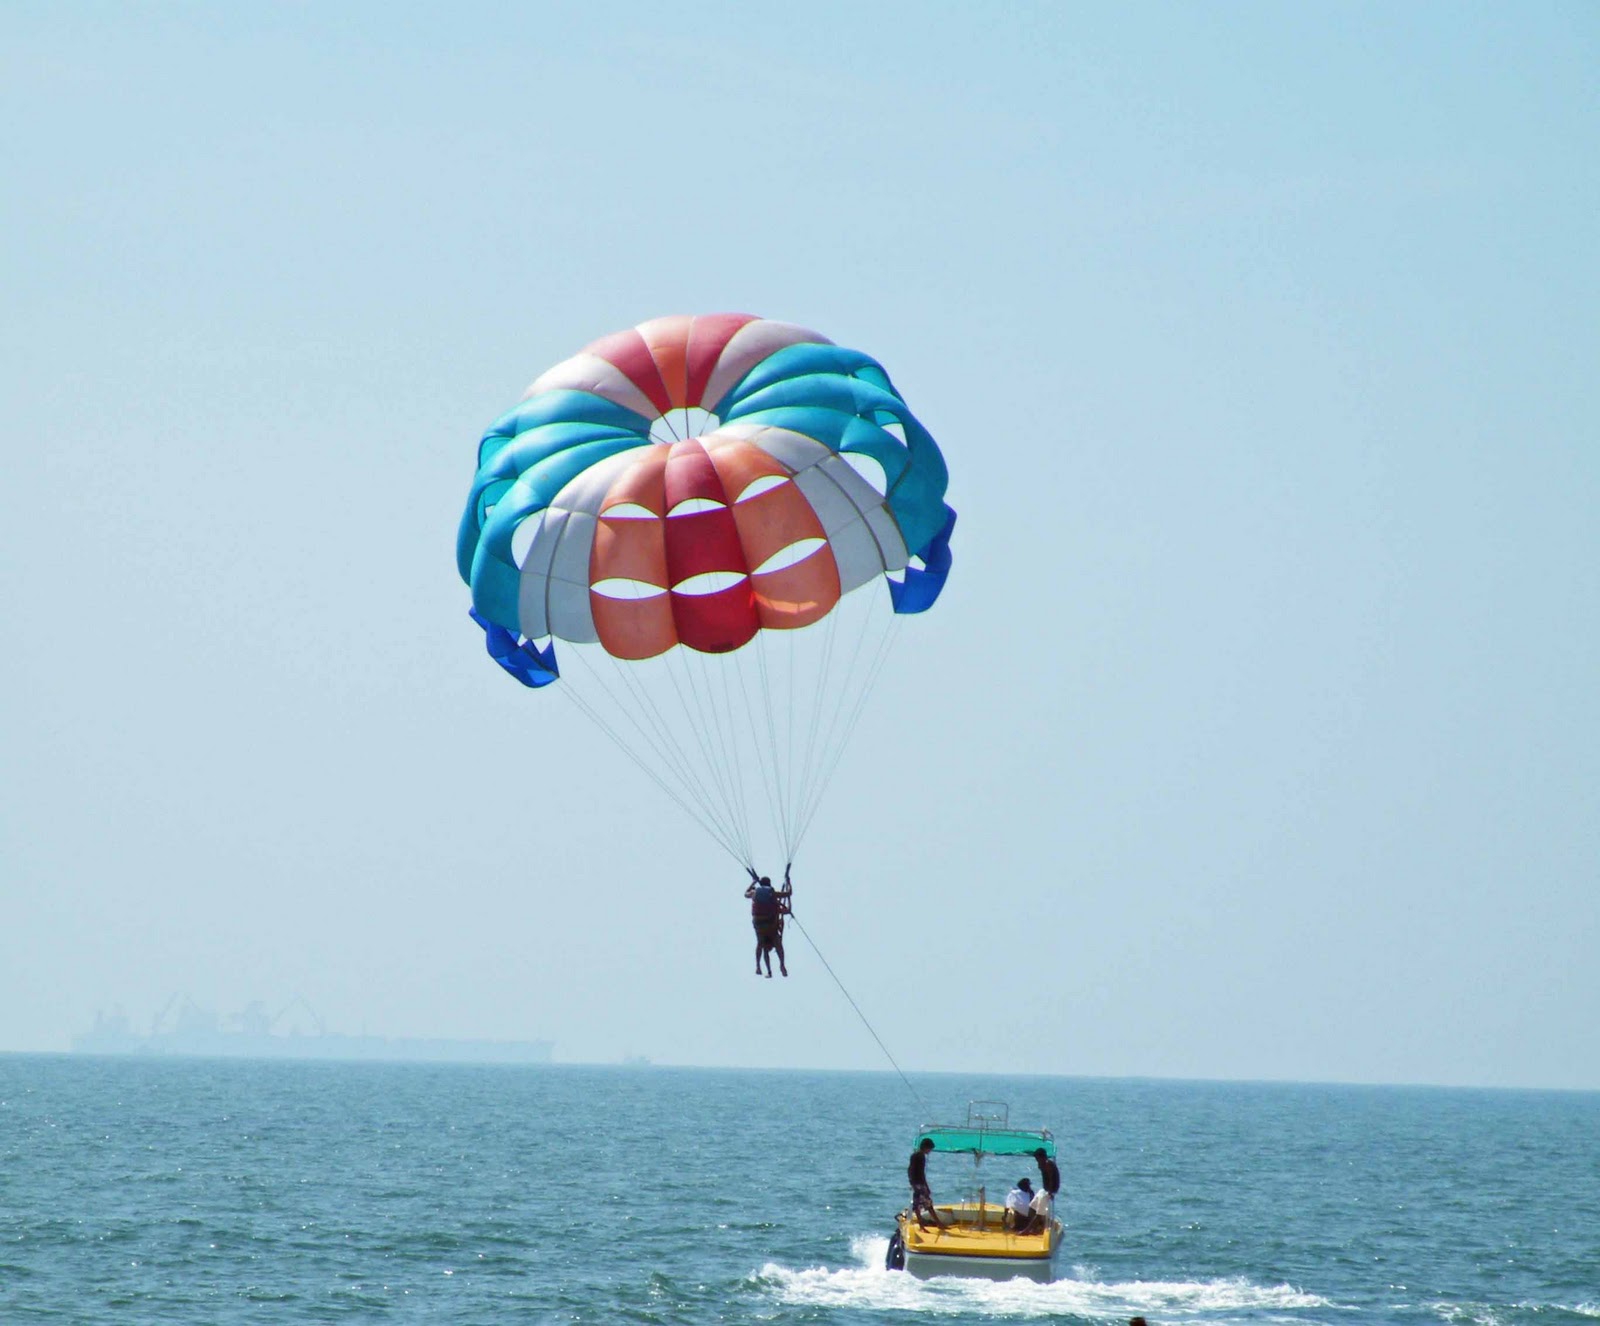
(1492, 1314)
(868, 1285)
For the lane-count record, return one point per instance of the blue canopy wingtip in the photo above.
(921, 587)
(524, 660)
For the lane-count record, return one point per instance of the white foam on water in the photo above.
(1494, 1314)
(868, 1285)
(1466, 1314)
(1488, 1314)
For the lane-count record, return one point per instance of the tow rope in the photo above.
(859, 1013)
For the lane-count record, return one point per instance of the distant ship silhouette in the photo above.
(185, 1029)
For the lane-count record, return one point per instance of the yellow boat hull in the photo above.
(976, 1242)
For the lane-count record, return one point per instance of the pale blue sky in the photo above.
(1259, 721)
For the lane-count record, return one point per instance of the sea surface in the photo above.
(223, 1192)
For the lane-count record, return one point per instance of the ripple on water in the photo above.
(219, 1194)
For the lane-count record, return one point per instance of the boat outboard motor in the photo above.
(896, 1260)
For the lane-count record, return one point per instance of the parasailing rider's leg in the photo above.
(785, 908)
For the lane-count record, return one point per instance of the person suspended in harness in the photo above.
(768, 907)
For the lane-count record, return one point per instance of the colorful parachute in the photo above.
(681, 493)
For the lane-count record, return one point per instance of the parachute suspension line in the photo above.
(663, 744)
(721, 806)
(807, 768)
(839, 687)
(880, 656)
(789, 848)
(766, 758)
(780, 664)
(709, 726)
(724, 737)
(772, 736)
(665, 421)
(645, 705)
(696, 728)
(831, 727)
(707, 815)
(851, 998)
(676, 758)
(711, 667)
(721, 723)
(719, 838)
(662, 749)
(740, 781)
(701, 725)
(885, 647)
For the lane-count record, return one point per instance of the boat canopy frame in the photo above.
(987, 1132)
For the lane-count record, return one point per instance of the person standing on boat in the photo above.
(921, 1196)
(1049, 1182)
(767, 909)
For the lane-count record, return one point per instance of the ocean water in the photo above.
(219, 1192)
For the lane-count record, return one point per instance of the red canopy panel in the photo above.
(717, 623)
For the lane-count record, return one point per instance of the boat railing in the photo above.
(988, 1114)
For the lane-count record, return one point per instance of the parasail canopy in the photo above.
(697, 489)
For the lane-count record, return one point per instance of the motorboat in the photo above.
(977, 1238)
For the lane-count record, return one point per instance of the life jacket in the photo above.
(764, 903)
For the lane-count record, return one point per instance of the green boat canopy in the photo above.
(980, 1141)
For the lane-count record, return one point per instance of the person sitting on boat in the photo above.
(1019, 1208)
(767, 910)
(1049, 1183)
(921, 1196)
